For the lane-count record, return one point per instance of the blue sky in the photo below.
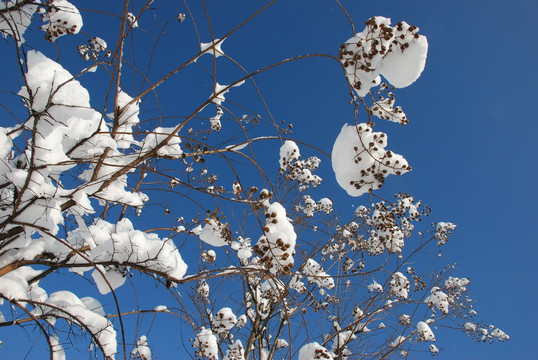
(470, 138)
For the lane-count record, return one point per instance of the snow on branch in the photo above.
(398, 53)
(360, 161)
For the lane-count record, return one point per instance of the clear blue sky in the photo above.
(470, 140)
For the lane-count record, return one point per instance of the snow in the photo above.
(108, 279)
(404, 64)
(469, 326)
(374, 286)
(296, 284)
(341, 341)
(398, 53)
(132, 20)
(61, 18)
(202, 288)
(277, 245)
(325, 205)
(213, 48)
(127, 119)
(213, 233)
(397, 341)
(243, 248)
(14, 285)
(123, 244)
(458, 284)
(360, 161)
(442, 231)
(95, 50)
(499, 334)
(281, 343)
(142, 351)
(197, 230)
(98, 44)
(241, 321)
(57, 349)
(405, 319)
(224, 320)
(235, 351)
(68, 117)
(438, 299)
(295, 169)
(384, 108)
(65, 304)
(309, 206)
(316, 274)
(314, 351)
(215, 120)
(206, 342)
(5, 144)
(289, 152)
(157, 136)
(93, 305)
(15, 22)
(399, 285)
(357, 313)
(218, 98)
(424, 332)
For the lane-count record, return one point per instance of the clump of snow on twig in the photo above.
(61, 18)
(360, 161)
(398, 53)
(277, 246)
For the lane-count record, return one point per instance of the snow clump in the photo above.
(277, 246)
(61, 18)
(360, 161)
(398, 53)
(375, 286)
(438, 299)
(206, 342)
(224, 320)
(215, 233)
(424, 332)
(442, 231)
(295, 169)
(126, 120)
(141, 351)
(384, 108)
(16, 20)
(65, 304)
(316, 274)
(235, 351)
(398, 341)
(123, 244)
(314, 351)
(170, 150)
(399, 285)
